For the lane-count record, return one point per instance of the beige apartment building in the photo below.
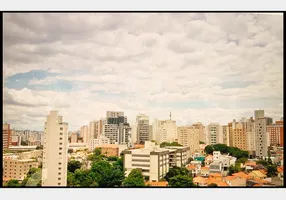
(152, 160)
(178, 156)
(237, 135)
(213, 133)
(165, 131)
(73, 138)
(55, 151)
(31, 154)
(17, 168)
(189, 136)
(201, 128)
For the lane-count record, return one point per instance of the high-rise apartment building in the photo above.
(269, 121)
(189, 136)
(134, 133)
(261, 136)
(275, 132)
(166, 131)
(201, 128)
(213, 133)
(117, 129)
(84, 134)
(237, 135)
(143, 132)
(54, 171)
(73, 138)
(225, 135)
(7, 136)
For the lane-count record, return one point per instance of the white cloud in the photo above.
(129, 61)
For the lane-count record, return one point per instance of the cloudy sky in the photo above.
(201, 67)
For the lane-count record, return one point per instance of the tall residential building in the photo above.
(166, 131)
(143, 133)
(260, 134)
(225, 135)
(237, 135)
(7, 136)
(134, 133)
(269, 121)
(55, 150)
(73, 138)
(201, 128)
(84, 134)
(275, 132)
(213, 133)
(189, 136)
(92, 131)
(117, 129)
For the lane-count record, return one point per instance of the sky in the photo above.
(212, 67)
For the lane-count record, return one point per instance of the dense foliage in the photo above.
(13, 183)
(224, 149)
(164, 144)
(270, 167)
(134, 179)
(33, 178)
(175, 171)
(213, 185)
(181, 181)
(201, 142)
(73, 165)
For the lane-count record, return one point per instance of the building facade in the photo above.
(7, 136)
(189, 136)
(143, 132)
(261, 136)
(237, 135)
(213, 133)
(275, 133)
(54, 171)
(166, 131)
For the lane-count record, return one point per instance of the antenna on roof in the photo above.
(170, 116)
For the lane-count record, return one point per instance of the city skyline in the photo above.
(201, 67)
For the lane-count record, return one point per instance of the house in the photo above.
(194, 169)
(249, 165)
(200, 181)
(156, 183)
(280, 172)
(219, 183)
(216, 167)
(242, 175)
(208, 160)
(256, 174)
(235, 181)
(216, 176)
(205, 171)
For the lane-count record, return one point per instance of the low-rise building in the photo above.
(18, 168)
(152, 160)
(101, 140)
(178, 156)
(205, 171)
(216, 167)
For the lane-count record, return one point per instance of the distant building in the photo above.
(237, 135)
(7, 136)
(165, 131)
(101, 140)
(55, 151)
(260, 134)
(73, 138)
(201, 128)
(189, 136)
(143, 132)
(213, 133)
(225, 135)
(276, 133)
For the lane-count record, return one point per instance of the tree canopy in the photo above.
(181, 181)
(164, 144)
(33, 178)
(134, 179)
(13, 183)
(175, 171)
(212, 185)
(224, 149)
(73, 165)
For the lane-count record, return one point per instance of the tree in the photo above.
(201, 142)
(154, 141)
(134, 179)
(234, 169)
(33, 178)
(70, 150)
(106, 175)
(242, 160)
(97, 151)
(82, 178)
(112, 158)
(272, 170)
(181, 181)
(212, 185)
(175, 171)
(73, 165)
(164, 144)
(209, 149)
(13, 183)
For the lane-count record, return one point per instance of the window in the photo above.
(61, 128)
(60, 148)
(61, 143)
(59, 183)
(60, 153)
(59, 179)
(61, 138)
(61, 133)
(59, 173)
(60, 163)
(60, 168)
